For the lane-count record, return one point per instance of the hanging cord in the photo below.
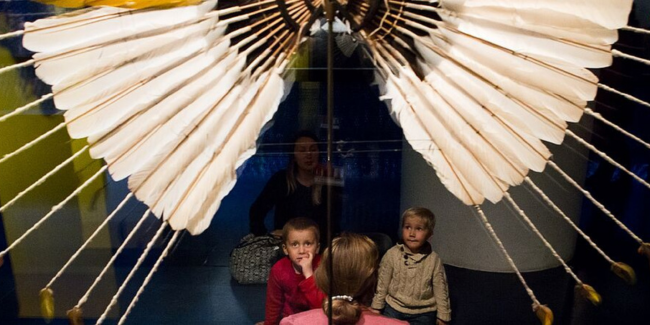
(629, 97)
(148, 278)
(135, 229)
(54, 209)
(16, 66)
(599, 117)
(43, 179)
(90, 239)
(33, 142)
(594, 201)
(496, 239)
(619, 54)
(567, 219)
(24, 108)
(636, 30)
(541, 237)
(113, 301)
(607, 158)
(12, 34)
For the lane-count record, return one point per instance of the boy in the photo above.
(412, 285)
(287, 291)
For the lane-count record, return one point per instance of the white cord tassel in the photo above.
(43, 179)
(594, 201)
(619, 54)
(636, 30)
(607, 158)
(22, 109)
(567, 219)
(102, 318)
(11, 34)
(148, 278)
(33, 142)
(630, 97)
(599, 117)
(90, 239)
(54, 209)
(113, 258)
(16, 66)
(489, 228)
(539, 234)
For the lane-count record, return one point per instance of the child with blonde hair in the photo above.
(354, 274)
(412, 284)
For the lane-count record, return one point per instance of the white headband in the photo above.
(343, 297)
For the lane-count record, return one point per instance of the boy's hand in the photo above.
(376, 311)
(306, 265)
(440, 322)
(260, 323)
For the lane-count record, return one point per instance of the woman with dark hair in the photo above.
(354, 275)
(294, 192)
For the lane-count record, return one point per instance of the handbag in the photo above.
(251, 260)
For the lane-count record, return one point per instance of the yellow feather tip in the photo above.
(75, 316)
(624, 272)
(47, 304)
(544, 314)
(589, 293)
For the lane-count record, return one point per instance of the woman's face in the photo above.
(306, 153)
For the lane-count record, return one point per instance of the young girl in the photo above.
(355, 274)
(412, 284)
(287, 291)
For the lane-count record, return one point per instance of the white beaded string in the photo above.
(16, 66)
(148, 278)
(619, 54)
(24, 108)
(594, 201)
(54, 209)
(541, 237)
(599, 117)
(620, 93)
(135, 229)
(90, 239)
(42, 179)
(144, 254)
(607, 158)
(32, 143)
(567, 219)
(490, 230)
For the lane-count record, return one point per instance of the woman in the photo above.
(294, 193)
(354, 278)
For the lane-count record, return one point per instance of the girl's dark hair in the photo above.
(355, 275)
(316, 189)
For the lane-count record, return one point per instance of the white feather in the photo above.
(531, 44)
(611, 14)
(100, 25)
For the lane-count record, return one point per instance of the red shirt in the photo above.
(288, 293)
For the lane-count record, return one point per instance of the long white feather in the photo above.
(104, 24)
(611, 14)
(531, 44)
(139, 163)
(420, 140)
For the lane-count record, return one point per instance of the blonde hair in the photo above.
(423, 213)
(292, 183)
(355, 275)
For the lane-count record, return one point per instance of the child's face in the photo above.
(415, 233)
(298, 246)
